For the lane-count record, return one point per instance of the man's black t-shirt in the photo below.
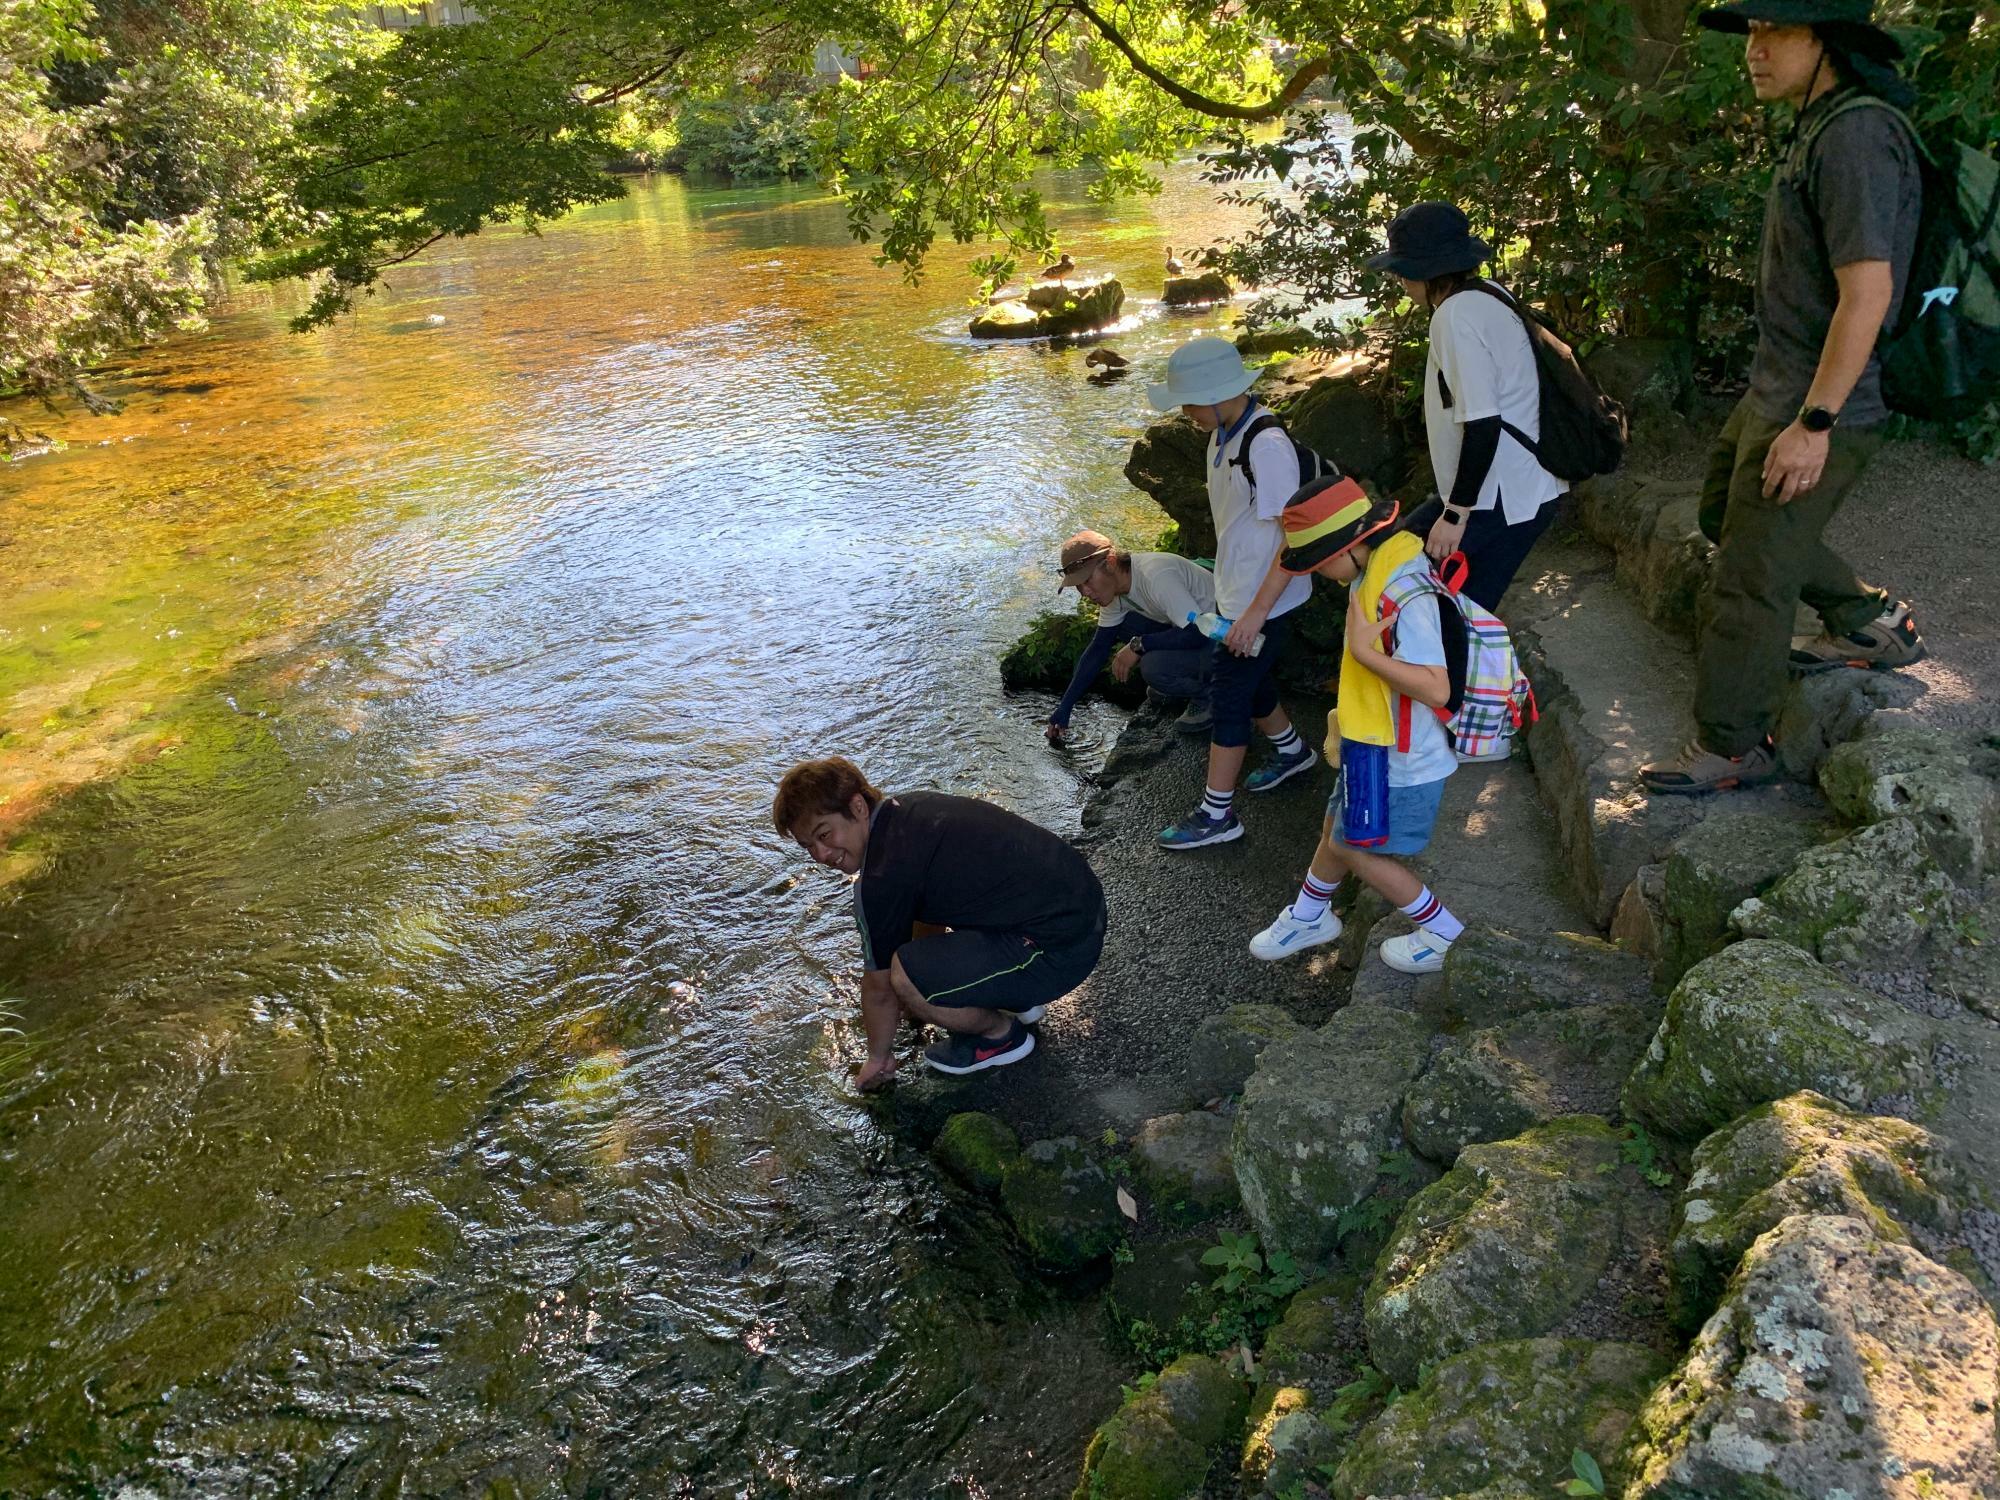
(961, 863)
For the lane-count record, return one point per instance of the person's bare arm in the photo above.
(1430, 686)
(880, 1016)
(1797, 458)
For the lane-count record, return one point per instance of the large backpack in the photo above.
(1490, 696)
(1584, 432)
(1312, 465)
(1941, 355)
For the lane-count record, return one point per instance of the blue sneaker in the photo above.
(1198, 829)
(1278, 771)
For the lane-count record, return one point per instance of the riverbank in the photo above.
(1434, 1148)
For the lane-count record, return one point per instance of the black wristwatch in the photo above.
(1137, 645)
(1453, 516)
(1817, 418)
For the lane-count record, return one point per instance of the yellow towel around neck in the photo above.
(1365, 709)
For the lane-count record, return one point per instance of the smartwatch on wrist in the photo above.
(1453, 516)
(1817, 418)
(1137, 645)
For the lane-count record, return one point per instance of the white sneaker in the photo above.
(1288, 935)
(1418, 952)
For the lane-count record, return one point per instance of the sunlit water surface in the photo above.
(435, 1072)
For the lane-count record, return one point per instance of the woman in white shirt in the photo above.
(1482, 403)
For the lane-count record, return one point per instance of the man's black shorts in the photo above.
(997, 970)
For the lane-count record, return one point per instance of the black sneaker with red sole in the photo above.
(960, 1052)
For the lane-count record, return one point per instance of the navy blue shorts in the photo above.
(1242, 688)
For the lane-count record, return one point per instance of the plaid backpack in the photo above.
(1490, 695)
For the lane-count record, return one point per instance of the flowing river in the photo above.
(433, 1069)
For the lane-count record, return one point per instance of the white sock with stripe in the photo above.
(1288, 744)
(1434, 917)
(1312, 900)
(1215, 805)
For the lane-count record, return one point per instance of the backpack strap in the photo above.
(1259, 424)
(1531, 326)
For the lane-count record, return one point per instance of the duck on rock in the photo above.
(1175, 265)
(1060, 270)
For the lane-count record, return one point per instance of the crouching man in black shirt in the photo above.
(971, 918)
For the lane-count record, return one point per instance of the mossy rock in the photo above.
(1062, 1204)
(1043, 658)
(1160, 1444)
(1317, 1343)
(1761, 1020)
(1492, 976)
(1317, 1118)
(1184, 1165)
(1840, 1363)
(1503, 1246)
(1494, 1083)
(1930, 776)
(1287, 1445)
(977, 1149)
(1803, 1154)
(1869, 901)
(1193, 291)
(1227, 1045)
(1503, 1419)
(1052, 309)
(1714, 868)
(1969, 970)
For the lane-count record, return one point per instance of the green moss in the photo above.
(1160, 1443)
(977, 1149)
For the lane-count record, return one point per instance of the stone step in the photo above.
(1615, 689)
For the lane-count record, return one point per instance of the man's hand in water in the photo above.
(1055, 733)
(876, 1075)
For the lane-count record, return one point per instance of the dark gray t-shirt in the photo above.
(1860, 181)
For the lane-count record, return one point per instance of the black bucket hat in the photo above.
(1845, 23)
(1431, 239)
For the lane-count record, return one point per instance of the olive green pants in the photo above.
(1768, 557)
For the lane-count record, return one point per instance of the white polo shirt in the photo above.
(1481, 349)
(1164, 588)
(1247, 534)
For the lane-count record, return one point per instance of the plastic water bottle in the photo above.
(1215, 628)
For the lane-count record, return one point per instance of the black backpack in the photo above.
(1584, 432)
(1941, 355)
(1311, 465)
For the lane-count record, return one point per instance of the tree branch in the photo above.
(1309, 73)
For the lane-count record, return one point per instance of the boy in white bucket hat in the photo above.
(1251, 474)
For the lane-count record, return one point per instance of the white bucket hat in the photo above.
(1202, 372)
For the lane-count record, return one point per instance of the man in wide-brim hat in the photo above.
(1840, 230)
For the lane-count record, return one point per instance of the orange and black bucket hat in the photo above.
(1325, 518)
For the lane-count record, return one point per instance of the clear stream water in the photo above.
(434, 1073)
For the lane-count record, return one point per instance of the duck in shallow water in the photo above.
(1060, 270)
(1108, 364)
(1175, 266)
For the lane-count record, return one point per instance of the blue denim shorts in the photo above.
(1413, 812)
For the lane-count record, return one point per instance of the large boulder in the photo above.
(1800, 1155)
(1160, 1443)
(1227, 1045)
(977, 1149)
(1761, 1020)
(1184, 1164)
(1714, 868)
(1194, 291)
(1494, 1083)
(1168, 462)
(1491, 976)
(1062, 1203)
(1841, 1363)
(1901, 770)
(1869, 901)
(1502, 1419)
(1051, 309)
(1317, 1119)
(1503, 1246)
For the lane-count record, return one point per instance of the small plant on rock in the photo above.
(1640, 1150)
(1358, 1400)
(1588, 1478)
